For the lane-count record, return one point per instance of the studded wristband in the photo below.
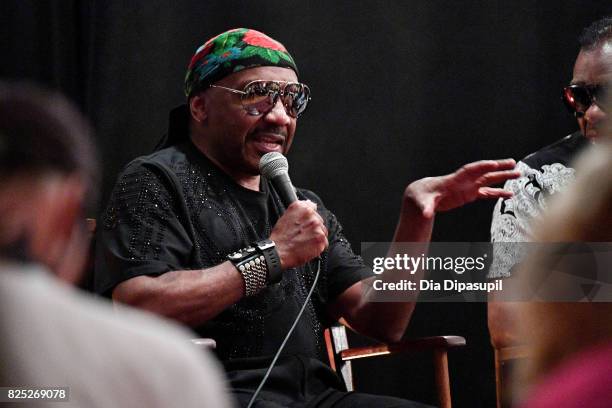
(258, 264)
(268, 249)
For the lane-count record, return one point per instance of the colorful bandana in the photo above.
(233, 51)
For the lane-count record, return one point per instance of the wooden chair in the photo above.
(505, 357)
(340, 356)
(502, 321)
(204, 343)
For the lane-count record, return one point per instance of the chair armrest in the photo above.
(512, 352)
(423, 343)
(204, 343)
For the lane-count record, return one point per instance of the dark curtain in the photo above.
(401, 90)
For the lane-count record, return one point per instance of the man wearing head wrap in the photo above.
(184, 224)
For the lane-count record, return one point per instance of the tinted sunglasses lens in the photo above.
(259, 97)
(296, 98)
(577, 98)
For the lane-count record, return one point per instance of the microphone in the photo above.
(274, 167)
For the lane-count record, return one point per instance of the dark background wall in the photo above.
(401, 90)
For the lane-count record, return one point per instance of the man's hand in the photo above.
(300, 234)
(469, 183)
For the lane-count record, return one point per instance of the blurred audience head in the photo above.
(557, 331)
(48, 175)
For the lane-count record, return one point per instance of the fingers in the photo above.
(323, 241)
(475, 169)
(300, 234)
(490, 192)
(307, 216)
(497, 177)
(307, 209)
(429, 210)
(311, 219)
(302, 205)
(316, 222)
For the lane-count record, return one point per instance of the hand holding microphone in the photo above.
(300, 233)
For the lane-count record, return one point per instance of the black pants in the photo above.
(333, 399)
(299, 382)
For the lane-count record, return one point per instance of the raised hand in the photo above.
(300, 234)
(469, 183)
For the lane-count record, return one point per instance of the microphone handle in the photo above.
(285, 189)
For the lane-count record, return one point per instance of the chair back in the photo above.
(340, 356)
(336, 341)
(505, 360)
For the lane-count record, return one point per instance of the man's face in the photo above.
(236, 140)
(592, 68)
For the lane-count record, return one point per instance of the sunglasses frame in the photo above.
(590, 91)
(280, 94)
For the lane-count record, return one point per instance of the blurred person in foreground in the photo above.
(547, 172)
(52, 335)
(570, 344)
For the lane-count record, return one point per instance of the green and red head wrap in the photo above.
(233, 51)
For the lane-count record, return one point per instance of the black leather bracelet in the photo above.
(252, 266)
(267, 247)
(259, 265)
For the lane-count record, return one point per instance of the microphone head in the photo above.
(273, 164)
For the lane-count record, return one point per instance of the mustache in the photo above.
(280, 131)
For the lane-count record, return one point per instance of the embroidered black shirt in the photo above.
(175, 210)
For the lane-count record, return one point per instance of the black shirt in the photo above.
(175, 210)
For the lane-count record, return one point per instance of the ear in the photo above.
(58, 239)
(197, 107)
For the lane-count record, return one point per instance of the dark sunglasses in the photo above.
(259, 97)
(578, 98)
